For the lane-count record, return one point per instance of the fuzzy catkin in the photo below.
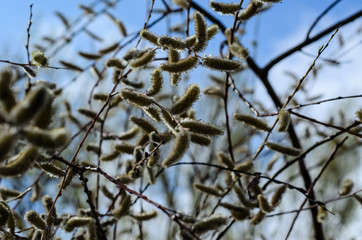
(143, 60)
(283, 149)
(157, 81)
(224, 8)
(251, 121)
(135, 98)
(178, 149)
(20, 163)
(181, 66)
(221, 64)
(185, 102)
(201, 127)
(200, 32)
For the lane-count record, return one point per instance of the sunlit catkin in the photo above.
(20, 163)
(136, 98)
(49, 139)
(225, 160)
(347, 187)
(30, 106)
(224, 8)
(124, 207)
(257, 218)
(207, 189)
(144, 216)
(178, 149)
(251, 121)
(200, 139)
(246, 166)
(181, 66)
(149, 36)
(263, 204)
(200, 32)
(221, 64)
(171, 42)
(250, 10)
(201, 127)
(283, 149)
(75, 222)
(39, 59)
(277, 196)
(210, 223)
(185, 102)
(35, 220)
(143, 60)
(152, 113)
(239, 51)
(144, 124)
(284, 120)
(156, 83)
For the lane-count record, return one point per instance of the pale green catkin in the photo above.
(322, 215)
(19, 163)
(257, 218)
(134, 53)
(171, 42)
(49, 139)
(143, 124)
(114, 62)
(124, 207)
(283, 149)
(182, 3)
(108, 194)
(221, 64)
(144, 216)
(200, 139)
(207, 189)
(68, 179)
(109, 157)
(201, 127)
(149, 36)
(239, 51)
(181, 66)
(212, 31)
(8, 138)
(52, 170)
(132, 84)
(347, 187)
(224, 8)
(244, 199)
(225, 159)
(173, 55)
(39, 59)
(284, 120)
(137, 154)
(178, 149)
(277, 196)
(90, 56)
(71, 66)
(175, 78)
(108, 49)
(185, 102)
(168, 121)
(30, 106)
(153, 113)
(151, 175)
(200, 32)
(250, 10)
(246, 166)
(238, 213)
(143, 60)
(136, 98)
(251, 121)
(214, 91)
(75, 222)
(156, 83)
(131, 133)
(263, 204)
(124, 148)
(210, 223)
(35, 220)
